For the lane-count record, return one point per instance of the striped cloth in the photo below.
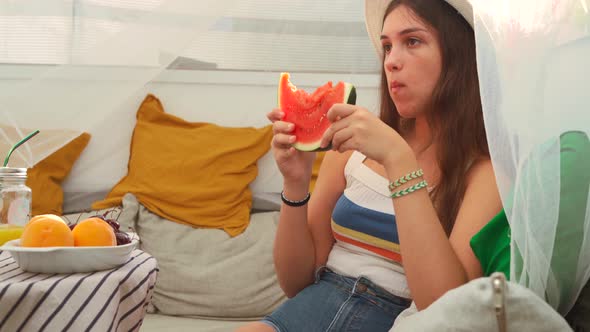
(111, 300)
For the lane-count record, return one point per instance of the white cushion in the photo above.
(471, 308)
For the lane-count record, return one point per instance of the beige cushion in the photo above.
(205, 272)
(159, 323)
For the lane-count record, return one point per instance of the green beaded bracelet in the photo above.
(405, 178)
(409, 190)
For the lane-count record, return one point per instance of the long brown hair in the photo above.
(455, 112)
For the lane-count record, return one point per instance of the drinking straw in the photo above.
(21, 142)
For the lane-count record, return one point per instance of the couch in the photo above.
(214, 250)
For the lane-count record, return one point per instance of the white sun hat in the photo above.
(375, 10)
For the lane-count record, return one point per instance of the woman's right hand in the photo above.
(295, 165)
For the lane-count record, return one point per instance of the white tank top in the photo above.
(365, 229)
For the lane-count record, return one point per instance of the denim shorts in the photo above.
(337, 303)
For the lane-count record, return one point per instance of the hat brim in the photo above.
(375, 10)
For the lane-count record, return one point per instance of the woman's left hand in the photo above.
(355, 128)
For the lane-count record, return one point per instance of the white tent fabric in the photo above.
(83, 59)
(86, 61)
(534, 76)
(100, 53)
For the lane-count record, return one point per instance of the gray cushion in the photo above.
(206, 273)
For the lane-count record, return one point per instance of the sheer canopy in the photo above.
(534, 77)
(68, 66)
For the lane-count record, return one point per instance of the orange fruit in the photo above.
(94, 232)
(47, 230)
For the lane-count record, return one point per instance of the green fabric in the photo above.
(491, 245)
(575, 180)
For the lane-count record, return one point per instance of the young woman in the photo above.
(368, 243)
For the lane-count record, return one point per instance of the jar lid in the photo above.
(13, 172)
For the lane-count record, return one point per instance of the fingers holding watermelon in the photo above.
(344, 140)
(293, 164)
(341, 111)
(339, 122)
(282, 127)
(275, 115)
(283, 141)
(355, 128)
(283, 134)
(283, 131)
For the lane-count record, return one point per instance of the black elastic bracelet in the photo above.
(295, 203)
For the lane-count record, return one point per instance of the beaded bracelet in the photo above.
(408, 177)
(409, 190)
(295, 203)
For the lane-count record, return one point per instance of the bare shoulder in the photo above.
(481, 203)
(482, 193)
(481, 173)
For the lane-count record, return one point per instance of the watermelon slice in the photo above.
(309, 111)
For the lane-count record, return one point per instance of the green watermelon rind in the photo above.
(349, 98)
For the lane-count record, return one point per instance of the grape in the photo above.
(114, 224)
(122, 238)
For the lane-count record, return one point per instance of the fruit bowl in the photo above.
(69, 259)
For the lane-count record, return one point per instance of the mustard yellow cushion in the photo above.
(46, 176)
(191, 173)
(315, 170)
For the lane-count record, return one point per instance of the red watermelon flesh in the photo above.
(308, 112)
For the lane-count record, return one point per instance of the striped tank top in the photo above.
(364, 226)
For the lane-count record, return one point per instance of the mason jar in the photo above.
(15, 196)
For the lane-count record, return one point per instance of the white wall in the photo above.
(225, 98)
(236, 99)
(242, 98)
